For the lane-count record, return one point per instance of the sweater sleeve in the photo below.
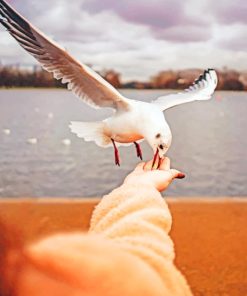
(138, 219)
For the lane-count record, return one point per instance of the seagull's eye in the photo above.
(161, 146)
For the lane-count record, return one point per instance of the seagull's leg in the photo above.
(117, 159)
(155, 157)
(138, 150)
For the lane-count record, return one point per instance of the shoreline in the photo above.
(123, 88)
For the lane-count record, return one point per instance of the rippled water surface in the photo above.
(209, 145)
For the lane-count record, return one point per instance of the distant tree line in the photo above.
(14, 76)
(18, 77)
(227, 79)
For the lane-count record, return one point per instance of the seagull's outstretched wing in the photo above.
(83, 81)
(201, 89)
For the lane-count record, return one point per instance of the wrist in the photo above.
(139, 185)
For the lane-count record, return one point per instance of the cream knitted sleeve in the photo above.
(138, 219)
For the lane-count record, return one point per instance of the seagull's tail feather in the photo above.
(91, 131)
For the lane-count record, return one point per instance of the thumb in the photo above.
(177, 174)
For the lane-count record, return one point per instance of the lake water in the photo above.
(209, 145)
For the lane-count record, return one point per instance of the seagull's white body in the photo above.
(142, 120)
(130, 126)
(132, 120)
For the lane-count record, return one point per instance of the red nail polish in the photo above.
(181, 176)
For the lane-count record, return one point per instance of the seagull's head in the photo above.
(162, 143)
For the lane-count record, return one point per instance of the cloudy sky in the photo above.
(139, 37)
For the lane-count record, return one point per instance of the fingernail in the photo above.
(181, 176)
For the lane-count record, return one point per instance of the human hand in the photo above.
(160, 178)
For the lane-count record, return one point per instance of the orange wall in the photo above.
(210, 235)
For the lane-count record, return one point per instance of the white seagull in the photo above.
(132, 120)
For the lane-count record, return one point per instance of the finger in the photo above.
(140, 166)
(177, 174)
(148, 165)
(165, 164)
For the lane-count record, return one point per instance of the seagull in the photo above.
(32, 141)
(132, 121)
(7, 131)
(66, 142)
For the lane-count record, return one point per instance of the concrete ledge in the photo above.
(209, 234)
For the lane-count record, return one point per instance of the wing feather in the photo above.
(201, 89)
(81, 80)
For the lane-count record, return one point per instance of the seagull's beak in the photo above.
(156, 157)
(163, 150)
(161, 154)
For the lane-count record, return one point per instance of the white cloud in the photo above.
(231, 37)
(107, 40)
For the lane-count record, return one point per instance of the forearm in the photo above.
(132, 210)
(139, 220)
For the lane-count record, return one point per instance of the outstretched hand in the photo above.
(159, 178)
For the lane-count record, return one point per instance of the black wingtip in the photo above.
(207, 72)
(4, 23)
(9, 12)
(200, 78)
